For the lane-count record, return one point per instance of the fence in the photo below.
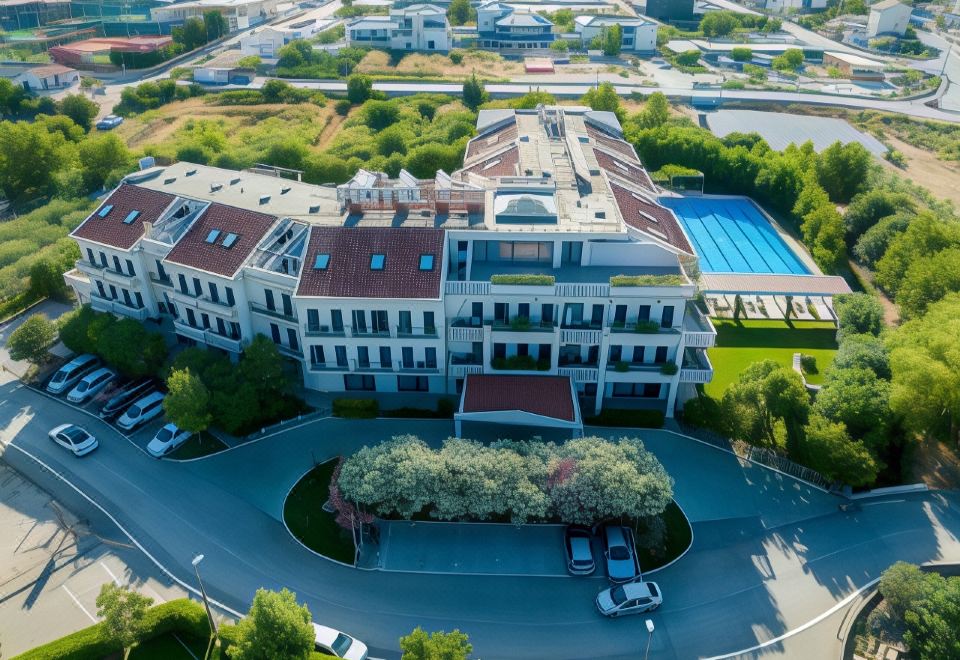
(316, 414)
(762, 455)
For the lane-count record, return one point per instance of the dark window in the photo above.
(596, 318)
(113, 292)
(336, 320)
(651, 390)
(666, 320)
(230, 299)
(191, 318)
(275, 333)
(287, 304)
(499, 350)
(363, 357)
(359, 320)
(197, 286)
(413, 384)
(103, 260)
(183, 283)
(544, 352)
(386, 359)
(379, 321)
(316, 355)
(476, 314)
(100, 289)
(292, 339)
(407, 354)
(359, 382)
(430, 357)
(214, 293)
(221, 327)
(130, 270)
(161, 271)
(661, 355)
(501, 312)
(620, 314)
(206, 320)
(523, 349)
(616, 353)
(136, 294)
(341, 352)
(268, 296)
(644, 314)
(638, 354)
(523, 310)
(546, 314)
(234, 330)
(313, 320)
(406, 324)
(116, 264)
(90, 257)
(126, 298)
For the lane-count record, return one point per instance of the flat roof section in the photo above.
(781, 129)
(775, 285)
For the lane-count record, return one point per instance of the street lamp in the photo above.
(206, 603)
(646, 653)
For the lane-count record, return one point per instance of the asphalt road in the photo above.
(768, 555)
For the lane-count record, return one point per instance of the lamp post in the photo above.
(646, 654)
(206, 603)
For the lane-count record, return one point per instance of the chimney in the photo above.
(147, 228)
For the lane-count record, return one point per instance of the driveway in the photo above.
(751, 577)
(49, 308)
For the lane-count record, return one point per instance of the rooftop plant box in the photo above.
(523, 279)
(647, 280)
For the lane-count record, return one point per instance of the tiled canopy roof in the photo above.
(346, 269)
(549, 396)
(219, 253)
(650, 218)
(106, 225)
(620, 146)
(625, 168)
(492, 140)
(503, 164)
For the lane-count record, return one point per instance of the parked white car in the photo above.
(629, 598)
(74, 439)
(166, 440)
(90, 384)
(339, 644)
(141, 412)
(620, 554)
(67, 375)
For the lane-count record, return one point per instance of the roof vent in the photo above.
(264, 199)
(314, 209)
(524, 138)
(214, 187)
(234, 181)
(167, 182)
(191, 172)
(284, 191)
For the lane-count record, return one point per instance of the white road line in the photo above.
(185, 647)
(110, 573)
(883, 502)
(79, 604)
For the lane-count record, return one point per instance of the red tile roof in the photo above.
(486, 142)
(629, 170)
(110, 229)
(620, 146)
(650, 218)
(503, 164)
(549, 396)
(348, 273)
(193, 250)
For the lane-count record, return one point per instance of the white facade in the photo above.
(639, 35)
(266, 41)
(240, 14)
(417, 304)
(795, 5)
(416, 27)
(888, 17)
(47, 78)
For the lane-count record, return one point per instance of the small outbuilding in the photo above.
(546, 405)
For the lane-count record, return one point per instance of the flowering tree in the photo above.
(348, 515)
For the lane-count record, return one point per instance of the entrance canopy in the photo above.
(543, 401)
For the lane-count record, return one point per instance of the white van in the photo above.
(142, 411)
(71, 372)
(90, 384)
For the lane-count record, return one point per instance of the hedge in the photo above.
(524, 279)
(356, 408)
(180, 616)
(647, 280)
(626, 417)
(520, 363)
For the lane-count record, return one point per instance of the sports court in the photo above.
(731, 235)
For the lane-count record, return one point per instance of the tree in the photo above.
(933, 623)
(772, 25)
(858, 313)
(359, 88)
(275, 627)
(688, 57)
(419, 645)
(925, 235)
(603, 97)
(80, 109)
(131, 349)
(925, 388)
(767, 406)
(741, 54)
(858, 399)
(215, 24)
(32, 340)
(381, 114)
(863, 351)
(460, 12)
(927, 281)
(100, 156)
(656, 111)
(474, 93)
(192, 34)
(123, 612)
(560, 45)
(289, 153)
(718, 23)
(29, 157)
(842, 169)
(823, 232)
(867, 208)
(873, 243)
(187, 403)
(81, 329)
(790, 60)
(46, 280)
(829, 450)
(612, 40)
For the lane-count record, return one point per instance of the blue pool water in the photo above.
(733, 236)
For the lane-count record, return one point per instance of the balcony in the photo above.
(219, 307)
(461, 364)
(698, 331)
(696, 367)
(328, 366)
(102, 304)
(586, 335)
(394, 366)
(642, 328)
(161, 281)
(107, 274)
(519, 363)
(263, 310)
(409, 332)
(465, 329)
(207, 337)
(288, 351)
(322, 331)
(623, 367)
(580, 374)
(522, 324)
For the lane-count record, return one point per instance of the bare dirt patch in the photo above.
(940, 177)
(936, 464)
(417, 65)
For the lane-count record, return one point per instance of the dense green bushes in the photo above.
(523, 279)
(124, 344)
(356, 408)
(299, 59)
(926, 604)
(151, 95)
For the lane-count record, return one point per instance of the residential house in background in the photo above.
(240, 14)
(413, 27)
(266, 41)
(46, 78)
(888, 17)
(502, 27)
(639, 35)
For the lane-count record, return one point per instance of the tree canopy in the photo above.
(420, 645)
(187, 403)
(32, 340)
(275, 627)
(123, 612)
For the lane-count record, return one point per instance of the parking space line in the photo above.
(110, 573)
(185, 647)
(79, 604)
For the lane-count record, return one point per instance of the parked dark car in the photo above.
(125, 396)
(578, 542)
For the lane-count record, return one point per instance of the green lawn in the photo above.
(739, 344)
(316, 528)
(677, 539)
(201, 444)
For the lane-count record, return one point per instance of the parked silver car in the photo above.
(629, 598)
(620, 553)
(578, 542)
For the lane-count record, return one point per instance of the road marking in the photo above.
(185, 647)
(110, 573)
(79, 604)
(883, 502)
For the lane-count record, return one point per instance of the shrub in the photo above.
(809, 364)
(456, 56)
(669, 368)
(523, 279)
(621, 366)
(647, 280)
(356, 408)
(516, 363)
(627, 418)
(647, 327)
(704, 412)
(342, 107)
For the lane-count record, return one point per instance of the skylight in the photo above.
(377, 261)
(321, 261)
(133, 215)
(105, 211)
(230, 240)
(426, 262)
(212, 236)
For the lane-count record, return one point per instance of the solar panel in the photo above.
(212, 236)
(105, 211)
(133, 215)
(230, 240)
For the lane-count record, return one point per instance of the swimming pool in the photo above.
(733, 236)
